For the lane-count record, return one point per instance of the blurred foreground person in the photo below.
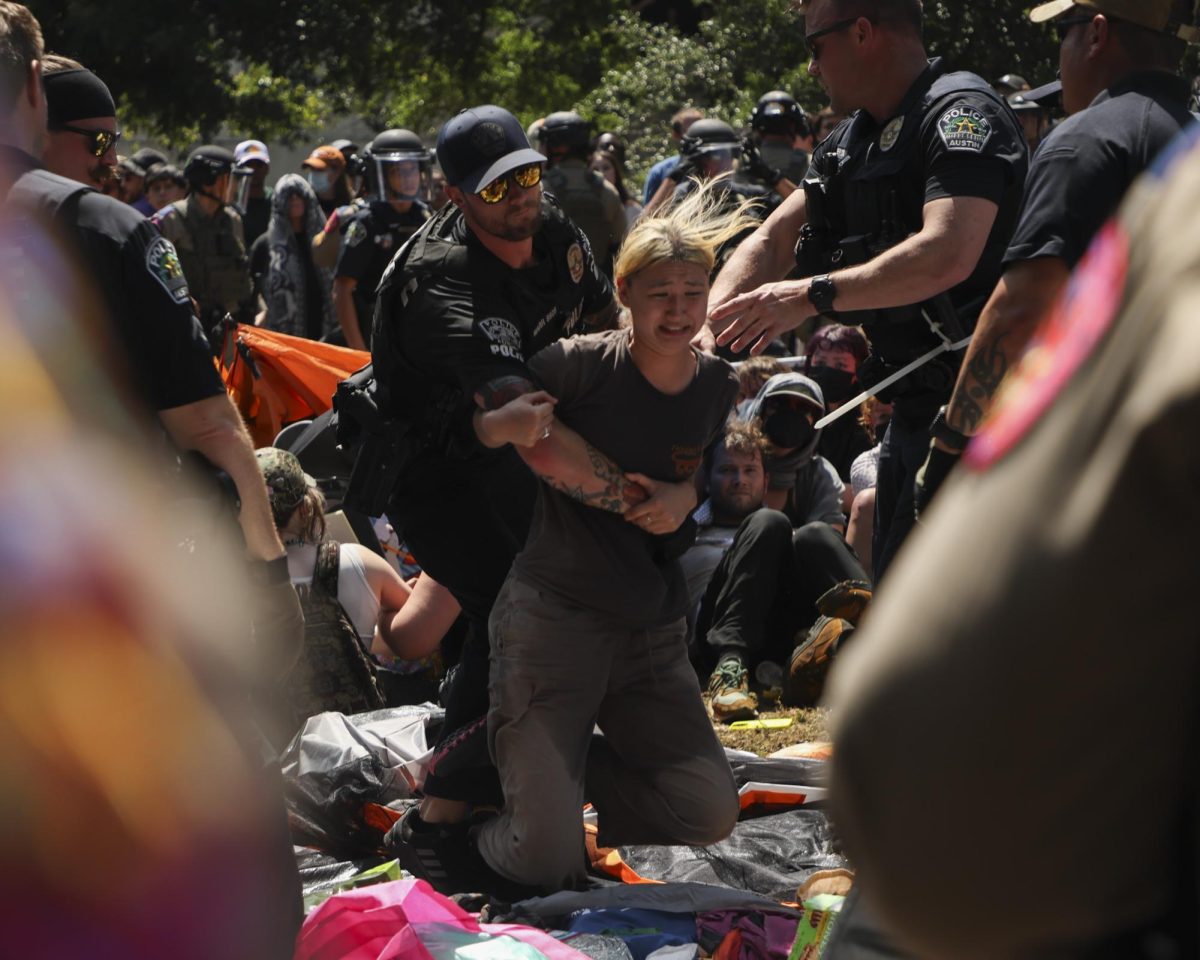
(1001, 731)
(136, 821)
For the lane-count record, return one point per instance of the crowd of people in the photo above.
(649, 457)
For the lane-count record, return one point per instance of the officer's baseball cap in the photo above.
(251, 150)
(324, 157)
(1156, 15)
(480, 144)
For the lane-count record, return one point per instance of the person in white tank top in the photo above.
(392, 618)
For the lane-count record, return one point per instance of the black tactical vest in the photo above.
(873, 181)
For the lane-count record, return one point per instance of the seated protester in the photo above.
(297, 294)
(393, 619)
(754, 372)
(756, 584)
(589, 627)
(832, 358)
(873, 417)
(801, 483)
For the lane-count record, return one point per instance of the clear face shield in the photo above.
(239, 189)
(401, 177)
(717, 158)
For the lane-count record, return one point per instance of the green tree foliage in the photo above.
(283, 68)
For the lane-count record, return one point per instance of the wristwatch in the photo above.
(941, 430)
(821, 293)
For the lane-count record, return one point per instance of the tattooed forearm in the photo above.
(496, 393)
(606, 488)
(986, 369)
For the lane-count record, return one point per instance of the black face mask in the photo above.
(836, 385)
(787, 428)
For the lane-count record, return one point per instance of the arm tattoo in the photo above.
(985, 374)
(496, 393)
(613, 495)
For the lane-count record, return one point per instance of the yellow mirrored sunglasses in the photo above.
(527, 176)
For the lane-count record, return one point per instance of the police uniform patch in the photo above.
(163, 264)
(505, 338)
(356, 233)
(891, 133)
(575, 262)
(964, 128)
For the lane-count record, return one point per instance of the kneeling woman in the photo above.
(589, 627)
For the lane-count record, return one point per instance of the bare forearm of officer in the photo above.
(765, 256)
(347, 313)
(562, 458)
(1024, 295)
(214, 428)
(939, 256)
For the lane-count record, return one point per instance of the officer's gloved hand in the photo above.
(685, 169)
(933, 472)
(756, 166)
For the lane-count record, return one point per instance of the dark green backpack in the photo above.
(334, 672)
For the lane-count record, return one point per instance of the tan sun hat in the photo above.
(1156, 15)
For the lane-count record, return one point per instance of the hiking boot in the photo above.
(729, 688)
(846, 600)
(446, 855)
(811, 659)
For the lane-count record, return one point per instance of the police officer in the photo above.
(584, 195)
(397, 172)
(155, 338)
(494, 276)
(1080, 573)
(771, 156)
(902, 223)
(1119, 83)
(207, 232)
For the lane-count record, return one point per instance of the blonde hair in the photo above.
(687, 230)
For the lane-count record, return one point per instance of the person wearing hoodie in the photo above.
(297, 292)
(774, 508)
(800, 482)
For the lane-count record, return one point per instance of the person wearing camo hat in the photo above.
(286, 481)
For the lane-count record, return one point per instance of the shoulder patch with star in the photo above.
(964, 127)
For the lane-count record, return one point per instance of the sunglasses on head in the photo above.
(526, 177)
(101, 141)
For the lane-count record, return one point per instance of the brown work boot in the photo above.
(729, 688)
(846, 600)
(811, 659)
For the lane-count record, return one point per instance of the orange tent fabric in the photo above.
(276, 379)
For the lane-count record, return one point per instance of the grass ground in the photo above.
(807, 724)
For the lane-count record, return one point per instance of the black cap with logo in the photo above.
(480, 144)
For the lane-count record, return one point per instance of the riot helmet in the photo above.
(205, 166)
(712, 141)
(777, 113)
(564, 134)
(397, 167)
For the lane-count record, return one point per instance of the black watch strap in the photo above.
(941, 430)
(822, 291)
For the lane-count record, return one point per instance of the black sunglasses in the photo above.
(101, 140)
(1063, 27)
(824, 32)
